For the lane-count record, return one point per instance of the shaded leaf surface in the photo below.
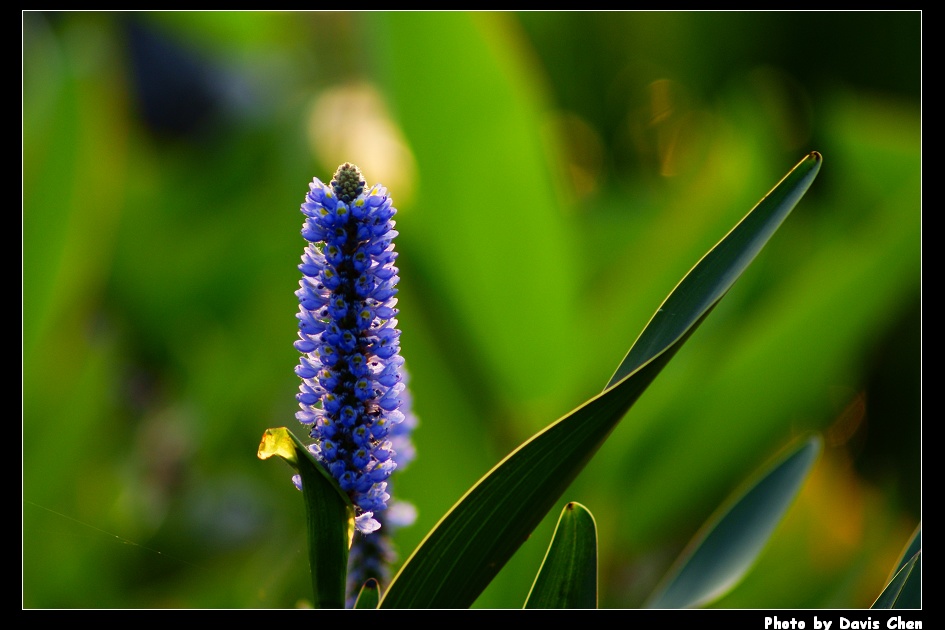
(730, 542)
(905, 588)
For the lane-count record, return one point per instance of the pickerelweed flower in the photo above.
(351, 369)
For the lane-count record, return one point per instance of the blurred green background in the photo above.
(556, 175)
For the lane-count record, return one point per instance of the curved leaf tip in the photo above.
(568, 575)
(278, 442)
(369, 595)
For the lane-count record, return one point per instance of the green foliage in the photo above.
(329, 517)
(556, 173)
(721, 554)
(568, 575)
(463, 554)
(369, 595)
(904, 589)
(469, 546)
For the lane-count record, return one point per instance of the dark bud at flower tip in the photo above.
(347, 182)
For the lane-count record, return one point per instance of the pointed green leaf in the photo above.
(568, 575)
(904, 589)
(370, 594)
(727, 546)
(329, 516)
(712, 276)
(474, 540)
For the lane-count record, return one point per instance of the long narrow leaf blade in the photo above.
(329, 517)
(723, 552)
(714, 274)
(474, 540)
(568, 575)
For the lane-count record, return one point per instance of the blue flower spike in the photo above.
(352, 374)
